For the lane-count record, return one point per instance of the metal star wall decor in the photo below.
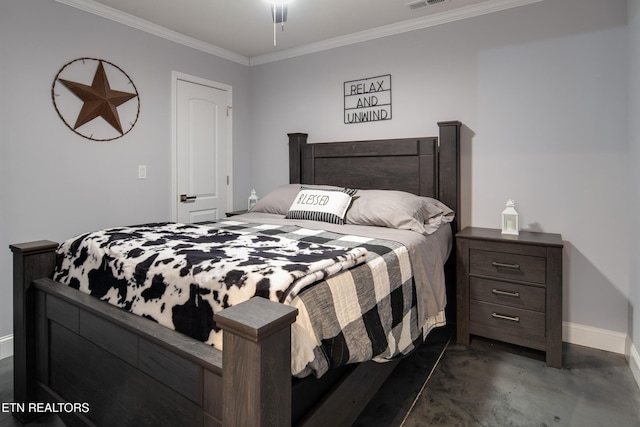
(79, 105)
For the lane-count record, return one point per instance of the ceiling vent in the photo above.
(419, 4)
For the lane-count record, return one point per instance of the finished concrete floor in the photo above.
(486, 384)
(492, 384)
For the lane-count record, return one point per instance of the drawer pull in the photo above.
(503, 317)
(505, 293)
(503, 265)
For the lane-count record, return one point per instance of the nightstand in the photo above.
(509, 288)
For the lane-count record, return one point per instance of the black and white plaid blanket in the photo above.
(367, 312)
(179, 275)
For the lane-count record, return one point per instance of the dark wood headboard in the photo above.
(426, 166)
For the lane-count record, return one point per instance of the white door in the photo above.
(202, 150)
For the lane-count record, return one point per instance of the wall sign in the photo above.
(367, 100)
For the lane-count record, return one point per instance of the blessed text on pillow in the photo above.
(320, 205)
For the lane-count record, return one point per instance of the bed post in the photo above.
(448, 192)
(256, 361)
(31, 261)
(297, 145)
(449, 168)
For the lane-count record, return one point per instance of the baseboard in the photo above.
(634, 363)
(588, 336)
(6, 346)
(606, 340)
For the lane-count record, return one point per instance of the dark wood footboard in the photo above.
(111, 367)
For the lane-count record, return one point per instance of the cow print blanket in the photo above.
(179, 275)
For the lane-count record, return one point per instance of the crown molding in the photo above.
(154, 29)
(486, 7)
(465, 12)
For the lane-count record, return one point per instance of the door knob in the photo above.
(187, 199)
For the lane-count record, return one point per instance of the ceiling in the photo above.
(243, 30)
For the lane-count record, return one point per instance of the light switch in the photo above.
(142, 171)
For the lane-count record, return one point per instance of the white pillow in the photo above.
(320, 205)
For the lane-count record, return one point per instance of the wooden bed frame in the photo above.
(73, 348)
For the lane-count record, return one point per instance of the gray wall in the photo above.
(56, 184)
(542, 92)
(634, 162)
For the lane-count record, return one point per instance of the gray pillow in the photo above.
(398, 209)
(277, 201)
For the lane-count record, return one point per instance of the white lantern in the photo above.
(253, 199)
(510, 220)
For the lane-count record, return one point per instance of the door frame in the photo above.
(175, 76)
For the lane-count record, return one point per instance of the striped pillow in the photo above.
(320, 205)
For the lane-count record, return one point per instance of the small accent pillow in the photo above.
(398, 209)
(280, 199)
(320, 205)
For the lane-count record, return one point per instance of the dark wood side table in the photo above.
(509, 288)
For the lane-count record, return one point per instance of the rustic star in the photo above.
(99, 100)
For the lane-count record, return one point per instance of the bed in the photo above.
(76, 349)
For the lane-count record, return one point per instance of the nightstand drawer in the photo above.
(507, 266)
(508, 324)
(508, 294)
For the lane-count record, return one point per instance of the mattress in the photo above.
(376, 302)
